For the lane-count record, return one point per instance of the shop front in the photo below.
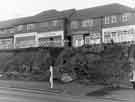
(51, 39)
(119, 34)
(25, 40)
(85, 38)
(6, 43)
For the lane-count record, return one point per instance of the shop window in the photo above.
(78, 41)
(87, 23)
(113, 19)
(107, 20)
(107, 37)
(75, 24)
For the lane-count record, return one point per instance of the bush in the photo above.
(107, 66)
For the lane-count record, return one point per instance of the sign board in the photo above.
(51, 34)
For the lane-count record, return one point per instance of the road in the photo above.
(17, 95)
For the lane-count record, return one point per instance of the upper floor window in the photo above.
(55, 23)
(11, 30)
(20, 27)
(107, 20)
(113, 19)
(44, 24)
(87, 23)
(125, 17)
(1, 31)
(30, 26)
(5, 31)
(74, 24)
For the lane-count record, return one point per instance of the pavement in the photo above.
(74, 89)
(8, 95)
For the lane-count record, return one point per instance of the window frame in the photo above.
(125, 17)
(74, 24)
(107, 20)
(87, 23)
(114, 19)
(30, 26)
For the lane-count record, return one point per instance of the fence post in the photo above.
(51, 76)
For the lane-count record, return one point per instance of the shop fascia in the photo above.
(24, 42)
(119, 34)
(51, 34)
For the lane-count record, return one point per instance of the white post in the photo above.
(51, 76)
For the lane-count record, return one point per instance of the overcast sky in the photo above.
(20, 8)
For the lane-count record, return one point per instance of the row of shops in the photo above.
(82, 27)
(56, 38)
(33, 39)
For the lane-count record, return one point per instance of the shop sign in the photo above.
(80, 32)
(51, 34)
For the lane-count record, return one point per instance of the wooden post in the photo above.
(51, 77)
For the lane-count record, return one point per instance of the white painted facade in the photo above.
(119, 34)
(26, 43)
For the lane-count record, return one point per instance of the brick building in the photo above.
(88, 25)
(53, 28)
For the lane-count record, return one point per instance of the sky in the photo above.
(10, 9)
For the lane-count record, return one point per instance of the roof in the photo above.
(12, 22)
(100, 11)
(53, 15)
(43, 16)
